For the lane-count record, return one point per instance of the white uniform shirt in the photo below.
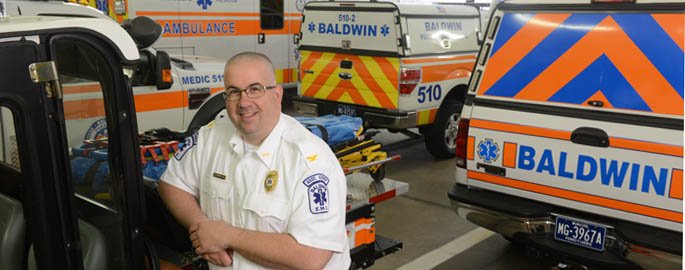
(307, 199)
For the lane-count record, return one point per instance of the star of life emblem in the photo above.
(317, 189)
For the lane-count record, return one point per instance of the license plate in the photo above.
(581, 233)
(345, 110)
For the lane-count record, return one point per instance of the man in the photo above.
(271, 194)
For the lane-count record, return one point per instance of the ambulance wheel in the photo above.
(379, 174)
(206, 114)
(441, 140)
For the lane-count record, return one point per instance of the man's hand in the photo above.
(207, 235)
(221, 258)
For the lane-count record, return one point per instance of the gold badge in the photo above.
(270, 181)
(220, 176)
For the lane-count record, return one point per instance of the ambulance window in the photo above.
(10, 170)
(9, 154)
(87, 82)
(271, 14)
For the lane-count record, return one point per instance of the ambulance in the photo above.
(571, 137)
(170, 92)
(221, 28)
(396, 65)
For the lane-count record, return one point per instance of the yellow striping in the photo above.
(384, 82)
(346, 98)
(318, 68)
(294, 75)
(279, 76)
(362, 89)
(423, 117)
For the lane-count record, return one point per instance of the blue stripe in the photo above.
(603, 76)
(510, 24)
(544, 54)
(656, 45)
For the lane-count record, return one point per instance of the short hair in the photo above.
(253, 56)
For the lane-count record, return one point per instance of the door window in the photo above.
(271, 14)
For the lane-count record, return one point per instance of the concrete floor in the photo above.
(424, 221)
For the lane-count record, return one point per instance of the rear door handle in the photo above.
(345, 75)
(590, 136)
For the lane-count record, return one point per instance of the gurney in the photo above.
(355, 148)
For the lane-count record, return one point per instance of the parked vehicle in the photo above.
(396, 65)
(571, 137)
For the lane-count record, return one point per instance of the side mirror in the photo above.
(143, 30)
(163, 71)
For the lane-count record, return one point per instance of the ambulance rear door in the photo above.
(350, 53)
(274, 36)
(582, 107)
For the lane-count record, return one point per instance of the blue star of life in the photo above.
(312, 27)
(488, 150)
(385, 30)
(204, 3)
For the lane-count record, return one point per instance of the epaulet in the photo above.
(311, 148)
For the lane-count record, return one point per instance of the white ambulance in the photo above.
(396, 65)
(171, 92)
(571, 137)
(221, 28)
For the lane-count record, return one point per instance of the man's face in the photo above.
(253, 117)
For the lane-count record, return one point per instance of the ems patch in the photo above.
(189, 143)
(317, 188)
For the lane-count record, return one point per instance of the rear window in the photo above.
(358, 30)
(438, 35)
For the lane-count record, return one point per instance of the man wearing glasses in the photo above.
(271, 194)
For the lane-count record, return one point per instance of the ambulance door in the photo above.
(583, 110)
(273, 38)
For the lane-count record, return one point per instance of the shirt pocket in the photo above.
(266, 213)
(216, 199)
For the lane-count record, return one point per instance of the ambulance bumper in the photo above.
(533, 224)
(373, 117)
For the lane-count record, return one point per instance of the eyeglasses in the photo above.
(253, 91)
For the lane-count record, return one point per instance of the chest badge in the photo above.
(270, 181)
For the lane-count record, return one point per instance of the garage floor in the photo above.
(434, 237)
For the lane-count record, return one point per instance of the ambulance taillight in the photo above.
(409, 78)
(462, 142)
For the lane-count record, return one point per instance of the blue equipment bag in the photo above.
(333, 129)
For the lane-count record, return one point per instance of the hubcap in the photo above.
(451, 131)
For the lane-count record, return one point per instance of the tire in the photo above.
(441, 139)
(206, 114)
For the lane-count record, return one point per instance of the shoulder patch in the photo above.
(189, 143)
(317, 189)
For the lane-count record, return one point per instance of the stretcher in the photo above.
(355, 148)
(90, 173)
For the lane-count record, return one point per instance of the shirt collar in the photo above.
(268, 147)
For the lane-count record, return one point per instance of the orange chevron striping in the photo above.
(391, 73)
(311, 60)
(607, 38)
(436, 73)
(345, 87)
(371, 83)
(518, 46)
(320, 80)
(673, 25)
(438, 59)
(579, 197)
